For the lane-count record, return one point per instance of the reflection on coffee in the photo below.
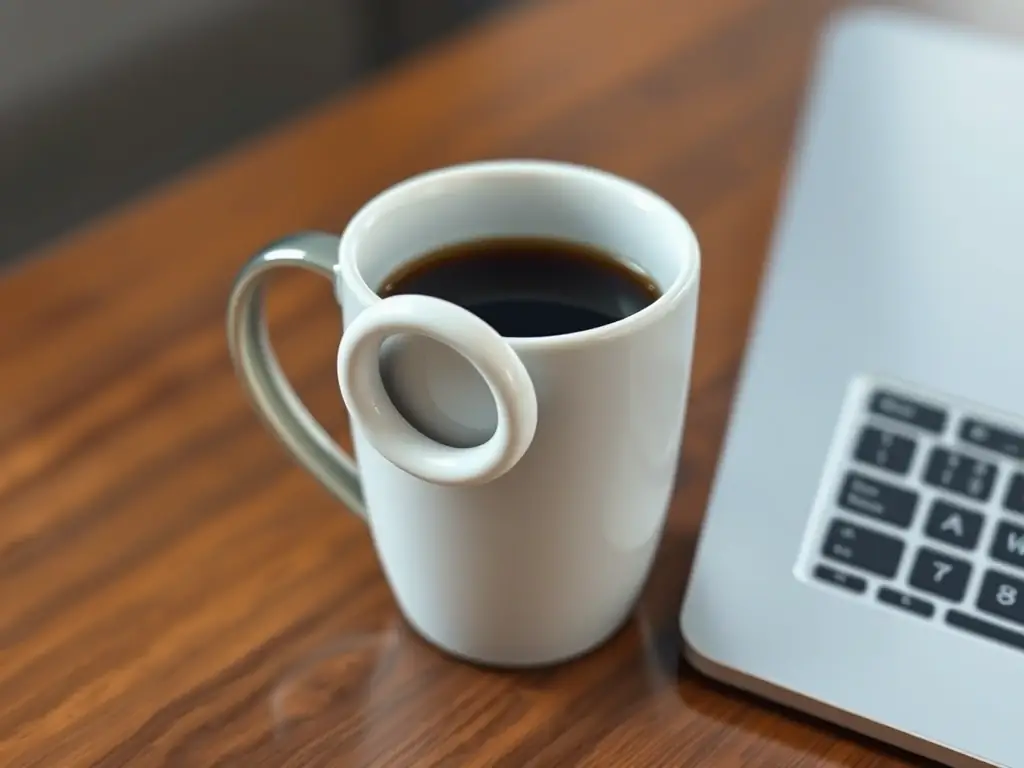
(529, 286)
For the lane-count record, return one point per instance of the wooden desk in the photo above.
(175, 591)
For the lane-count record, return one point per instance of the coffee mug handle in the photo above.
(258, 370)
(388, 431)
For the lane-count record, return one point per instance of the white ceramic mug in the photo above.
(525, 537)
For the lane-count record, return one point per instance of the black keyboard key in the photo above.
(1002, 596)
(907, 602)
(985, 629)
(961, 474)
(1014, 500)
(1008, 544)
(873, 498)
(954, 524)
(885, 449)
(840, 579)
(863, 548)
(908, 411)
(994, 438)
(940, 574)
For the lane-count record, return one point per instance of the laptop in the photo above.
(862, 554)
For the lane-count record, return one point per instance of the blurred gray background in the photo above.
(102, 99)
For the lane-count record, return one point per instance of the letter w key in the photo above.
(1008, 544)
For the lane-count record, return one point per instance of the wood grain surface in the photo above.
(175, 591)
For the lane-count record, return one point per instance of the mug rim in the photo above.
(348, 270)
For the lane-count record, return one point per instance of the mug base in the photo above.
(513, 664)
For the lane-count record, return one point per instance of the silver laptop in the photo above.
(862, 556)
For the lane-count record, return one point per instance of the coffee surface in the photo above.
(529, 286)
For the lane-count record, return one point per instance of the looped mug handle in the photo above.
(257, 368)
(391, 434)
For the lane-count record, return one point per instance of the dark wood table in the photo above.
(175, 591)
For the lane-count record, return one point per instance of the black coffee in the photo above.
(529, 286)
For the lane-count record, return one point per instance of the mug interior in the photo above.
(520, 198)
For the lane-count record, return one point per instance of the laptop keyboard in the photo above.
(924, 514)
